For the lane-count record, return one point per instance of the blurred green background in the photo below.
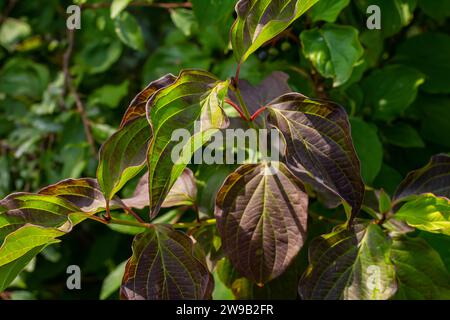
(394, 83)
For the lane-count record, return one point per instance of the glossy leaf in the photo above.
(164, 267)
(9, 271)
(427, 212)
(261, 212)
(25, 239)
(124, 154)
(319, 148)
(350, 264)
(258, 21)
(20, 209)
(420, 272)
(192, 103)
(432, 178)
(333, 50)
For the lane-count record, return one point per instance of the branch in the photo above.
(167, 5)
(69, 87)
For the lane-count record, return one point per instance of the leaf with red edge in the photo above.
(261, 212)
(432, 178)
(165, 266)
(319, 147)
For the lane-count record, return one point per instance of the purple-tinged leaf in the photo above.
(84, 193)
(258, 21)
(183, 192)
(432, 178)
(137, 106)
(165, 266)
(255, 97)
(319, 148)
(261, 213)
(351, 265)
(20, 209)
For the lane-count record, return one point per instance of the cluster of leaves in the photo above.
(332, 220)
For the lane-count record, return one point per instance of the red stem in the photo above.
(235, 106)
(107, 216)
(257, 113)
(135, 215)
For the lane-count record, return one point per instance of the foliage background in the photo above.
(394, 84)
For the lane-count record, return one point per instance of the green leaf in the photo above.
(432, 178)
(384, 202)
(12, 31)
(124, 154)
(350, 264)
(368, 147)
(258, 21)
(20, 77)
(403, 135)
(214, 19)
(184, 20)
(428, 53)
(428, 213)
(261, 212)
(99, 56)
(129, 31)
(23, 240)
(164, 266)
(109, 95)
(117, 6)
(319, 148)
(112, 282)
(440, 243)
(421, 274)
(395, 14)
(221, 292)
(192, 105)
(437, 9)
(9, 271)
(389, 91)
(434, 112)
(328, 10)
(333, 50)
